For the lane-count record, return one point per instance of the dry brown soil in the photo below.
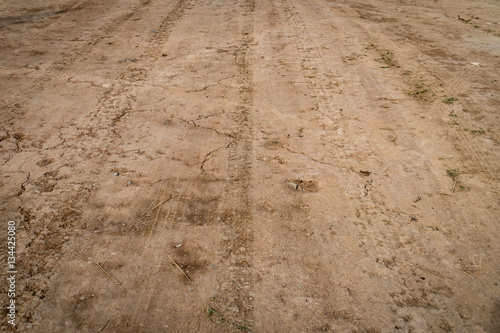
(251, 165)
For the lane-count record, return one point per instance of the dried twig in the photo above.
(159, 206)
(427, 270)
(105, 325)
(100, 266)
(74, 209)
(152, 207)
(472, 268)
(161, 203)
(145, 214)
(179, 267)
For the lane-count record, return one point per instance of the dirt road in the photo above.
(251, 165)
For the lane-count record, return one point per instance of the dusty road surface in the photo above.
(251, 165)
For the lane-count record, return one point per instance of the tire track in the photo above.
(313, 65)
(62, 64)
(118, 101)
(325, 86)
(233, 301)
(96, 131)
(455, 84)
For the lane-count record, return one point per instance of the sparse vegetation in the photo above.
(420, 90)
(450, 100)
(454, 175)
(479, 131)
(464, 20)
(210, 312)
(387, 59)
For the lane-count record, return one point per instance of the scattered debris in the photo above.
(100, 266)
(469, 269)
(127, 60)
(417, 199)
(365, 173)
(427, 270)
(303, 185)
(179, 267)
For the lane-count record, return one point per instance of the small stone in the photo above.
(178, 245)
(292, 185)
(81, 298)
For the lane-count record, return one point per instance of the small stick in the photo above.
(100, 266)
(472, 268)
(159, 209)
(161, 203)
(105, 324)
(428, 270)
(144, 215)
(179, 267)
(75, 210)
(152, 209)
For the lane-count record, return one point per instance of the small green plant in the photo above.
(210, 312)
(407, 72)
(464, 20)
(454, 175)
(387, 59)
(242, 328)
(449, 100)
(452, 114)
(479, 131)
